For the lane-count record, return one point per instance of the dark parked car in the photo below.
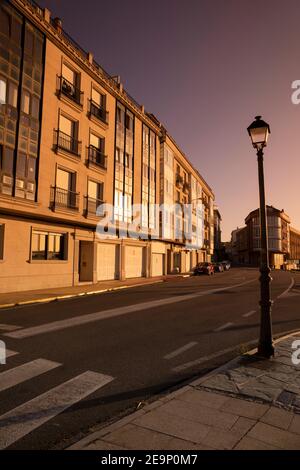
(218, 267)
(204, 268)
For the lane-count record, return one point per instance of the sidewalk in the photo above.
(13, 299)
(250, 403)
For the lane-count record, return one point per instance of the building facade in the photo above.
(283, 240)
(73, 142)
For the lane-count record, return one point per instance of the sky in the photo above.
(206, 68)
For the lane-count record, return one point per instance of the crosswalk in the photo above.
(25, 418)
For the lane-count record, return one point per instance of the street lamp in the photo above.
(259, 132)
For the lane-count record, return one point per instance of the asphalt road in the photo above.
(76, 364)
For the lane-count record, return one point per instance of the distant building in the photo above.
(283, 240)
(218, 247)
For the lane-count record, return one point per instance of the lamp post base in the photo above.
(265, 350)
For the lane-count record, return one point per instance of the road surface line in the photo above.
(27, 371)
(246, 315)
(115, 312)
(22, 420)
(181, 350)
(196, 362)
(4, 327)
(223, 327)
(10, 353)
(287, 290)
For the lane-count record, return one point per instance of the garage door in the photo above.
(107, 262)
(157, 264)
(134, 261)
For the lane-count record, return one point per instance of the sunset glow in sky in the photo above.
(205, 68)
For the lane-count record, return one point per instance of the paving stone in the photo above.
(245, 408)
(221, 439)
(277, 417)
(200, 414)
(275, 436)
(174, 426)
(295, 424)
(221, 382)
(210, 399)
(243, 425)
(248, 443)
(138, 438)
(102, 445)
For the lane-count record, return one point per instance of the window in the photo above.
(25, 105)
(67, 135)
(65, 179)
(13, 94)
(48, 246)
(95, 190)
(98, 98)
(69, 74)
(5, 23)
(2, 91)
(96, 141)
(69, 84)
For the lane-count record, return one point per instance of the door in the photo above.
(157, 264)
(107, 261)
(134, 261)
(86, 254)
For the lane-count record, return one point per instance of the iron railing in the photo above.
(96, 157)
(98, 112)
(66, 142)
(69, 90)
(92, 205)
(64, 198)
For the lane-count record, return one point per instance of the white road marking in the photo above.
(4, 327)
(223, 327)
(115, 312)
(10, 353)
(27, 371)
(284, 294)
(181, 350)
(199, 361)
(22, 420)
(246, 315)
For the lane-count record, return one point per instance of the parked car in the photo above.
(226, 265)
(218, 267)
(204, 268)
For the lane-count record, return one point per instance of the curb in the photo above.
(82, 294)
(72, 296)
(94, 436)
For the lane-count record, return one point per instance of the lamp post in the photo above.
(259, 132)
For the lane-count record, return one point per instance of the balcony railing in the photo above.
(96, 157)
(92, 205)
(99, 112)
(66, 142)
(64, 198)
(70, 90)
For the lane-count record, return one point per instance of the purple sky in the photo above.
(205, 68)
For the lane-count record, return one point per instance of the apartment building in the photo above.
(283, 240)
(73, 141)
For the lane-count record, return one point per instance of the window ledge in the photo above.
(100, 123)
(76, 106)
(48, 261)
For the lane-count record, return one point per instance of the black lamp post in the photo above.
(259, 132)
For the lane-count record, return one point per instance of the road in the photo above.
(75, 364)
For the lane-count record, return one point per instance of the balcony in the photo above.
(63, 198)
(99, 112)
(96, 157)
(66, 142)
(91, 205)
(69, 90)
